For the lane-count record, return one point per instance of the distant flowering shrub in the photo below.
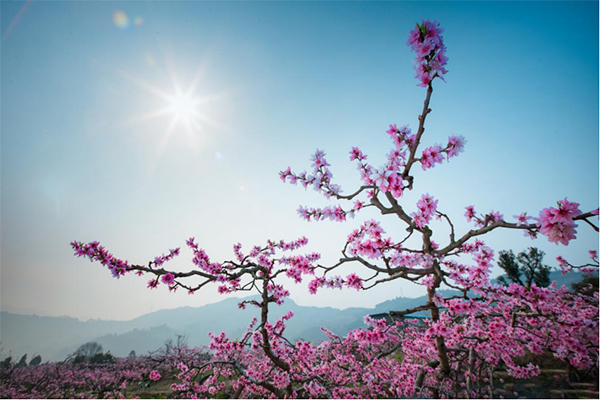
(76, 380)
(453, 352)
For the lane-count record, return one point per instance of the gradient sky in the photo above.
(85, 156)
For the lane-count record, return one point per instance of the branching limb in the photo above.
(490, 227)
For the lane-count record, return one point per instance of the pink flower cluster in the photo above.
(168, 279)
(160, 260)
(427, 207)
(407, 259)
(557, 223)
(278, 292)
(354, 281)
(470, 214)
(471, 277)
(483, 220)
(333, 213)
(300, 265)
(320, 180)
(427, 42)
(522, 219)
(388, 177)
(434, 154)
(154, 375)
(590, 267)
(336, 282)
(431, 156)
(222, 345)
(368, 240)
(95, 252)
(202, 260)
(401, 136)
(456, 145)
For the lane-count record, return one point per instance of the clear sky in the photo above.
(88, 151)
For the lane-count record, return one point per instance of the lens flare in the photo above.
(150, 60)
(121, 19)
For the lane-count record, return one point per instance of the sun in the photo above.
(183, 107)
(190, 112)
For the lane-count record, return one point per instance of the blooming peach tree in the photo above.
(454, 352)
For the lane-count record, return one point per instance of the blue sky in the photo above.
(85, 156)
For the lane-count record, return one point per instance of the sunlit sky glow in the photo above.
(140, 124)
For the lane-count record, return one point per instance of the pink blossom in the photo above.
(168, 278)
(456, 145)
(428, 281)
(354, 281)
(393, 130)
(154, 375)
(431, 156)
(566, 211)
(426, 41)
(526, 372)
(522, 219)
(495, 216)
(356, 154)
(470, 213)
(285, 174)
(557, 223)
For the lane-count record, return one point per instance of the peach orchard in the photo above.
(466, 336)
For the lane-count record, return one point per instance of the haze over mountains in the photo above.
(54, 338)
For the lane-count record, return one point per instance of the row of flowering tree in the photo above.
(79, 376)
(465, 337)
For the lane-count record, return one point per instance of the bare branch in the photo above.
(449, 223)
(413, 150)
(411, 310)
(353, 195)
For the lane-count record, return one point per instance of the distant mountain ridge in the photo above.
(57, 337)
(54, 338)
